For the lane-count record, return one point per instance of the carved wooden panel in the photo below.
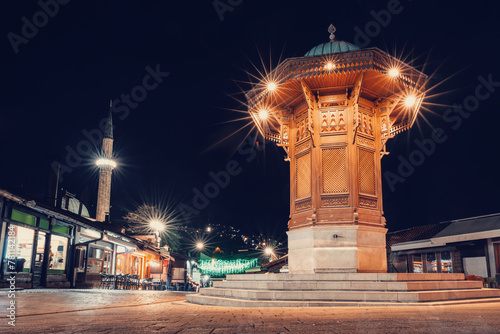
(303, 205)
(284, 133)
(303, 176)
(366, 202)
(385, 125)
(301, 127)
(333, 104)
(366, 171)
(333, 120)
(334, 201)
(365, 141)
(365, 122)
(334, 168)
(303, 147)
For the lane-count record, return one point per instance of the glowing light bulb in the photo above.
(329, 66)
(105, 163)
(263, 114)
(410, 101)
(272, 86)
(268, 250)
(393, 72)
(200, 245)
(157, 225)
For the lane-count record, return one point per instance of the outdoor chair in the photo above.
(119, 281)
(134, 282)
(107, 281)
(127, 282)
(147, 283)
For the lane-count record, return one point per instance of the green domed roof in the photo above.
(331, 48)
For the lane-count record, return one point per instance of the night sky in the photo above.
(58, 85)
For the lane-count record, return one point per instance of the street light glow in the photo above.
(263, 114)
(200, 245)
(329, 66)
(103, 162)
(410, 101)
(271, 86)
(157, 225)
(268, 250)
(393, 72)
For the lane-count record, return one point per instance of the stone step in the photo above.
(355, 296)
(349, 286)
(221, 301)
(380, 277)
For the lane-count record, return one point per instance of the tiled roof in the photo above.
(415, 233)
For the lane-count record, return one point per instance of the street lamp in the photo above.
(157, 226)
(410, 100)
(270, 252)
(393, 72)
(200, 245)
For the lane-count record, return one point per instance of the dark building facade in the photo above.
(470, 246)
(44, 246)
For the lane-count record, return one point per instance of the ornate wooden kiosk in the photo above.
(333, 111)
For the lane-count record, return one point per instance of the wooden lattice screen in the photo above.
(303, 176)
(366, 171)
(334, 170)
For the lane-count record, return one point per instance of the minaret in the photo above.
(106, 165)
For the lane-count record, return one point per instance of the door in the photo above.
(38, 272)
(80, 264)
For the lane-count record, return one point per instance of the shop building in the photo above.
(44, 246)
(470, 246)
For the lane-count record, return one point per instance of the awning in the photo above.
(415, 245)
(120, 242)
(466, 237)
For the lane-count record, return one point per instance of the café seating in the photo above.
(134, 282)
(121, 282)
(147, 283)
(107, 281)
(128, 282)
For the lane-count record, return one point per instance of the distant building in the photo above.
(470, 246)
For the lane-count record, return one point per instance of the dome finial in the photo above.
(331, 30)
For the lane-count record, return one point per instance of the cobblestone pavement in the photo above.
(104, 311)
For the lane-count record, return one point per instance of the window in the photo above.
(446, 263)
(44, 224)
(40, 248)
(431, 263)
(400, 264)
(99, 261)
(417, 263)
(136, 266)
(57, 255)
(22, 250)
(22, 217)
(60, 229)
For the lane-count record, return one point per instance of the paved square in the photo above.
(105, 311)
